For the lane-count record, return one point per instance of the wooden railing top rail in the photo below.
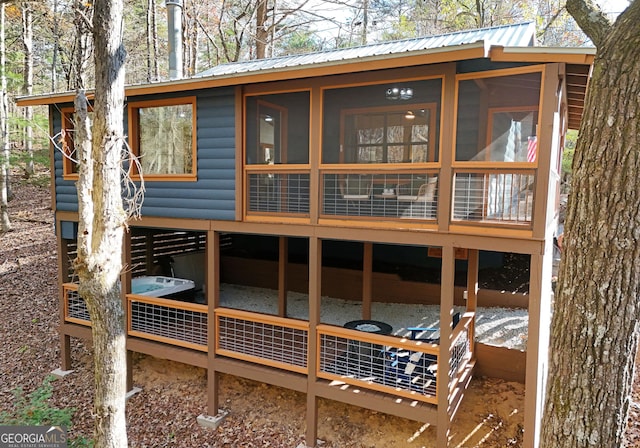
(481, 165)
(394, 341)
(285, 167)
(70, 286)
(263, 318)
(381, 168)
(169, 303)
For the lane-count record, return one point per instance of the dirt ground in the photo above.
(173, 395)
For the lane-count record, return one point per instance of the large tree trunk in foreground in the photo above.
(102, 222)
(594, 333)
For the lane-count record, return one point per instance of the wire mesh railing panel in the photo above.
(278, 193)
(460, 354)
(273, 344)
(168, 323)
(397, 370)
(381, 195)
(493, 197)
(76, 307)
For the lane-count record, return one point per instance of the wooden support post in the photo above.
(63, 268)
(212, 296)
(65, 351)
(445, 179)
(149, 258)
(315, 284)
(538, 344)
(125, 288)
(129, 370)
(367, 279)
(446, 316)
(283, 260)
(472, 293)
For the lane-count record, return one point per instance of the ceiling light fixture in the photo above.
(399, 93)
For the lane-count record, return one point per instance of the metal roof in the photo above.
(519, 35)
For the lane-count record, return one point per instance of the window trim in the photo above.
(66, 117)
(134, 137)
(479, 76)
(433, 122)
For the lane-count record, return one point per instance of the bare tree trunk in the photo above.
(102, 221)
(56, 47)
(27, 42)
(262, 29)
(153, 72)
(594, 335)
(5, 223)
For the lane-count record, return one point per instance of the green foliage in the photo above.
(300, 42)
(569, 151)
(34, 409)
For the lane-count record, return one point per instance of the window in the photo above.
(67, 143)
(162, 136)
(498, 118)
(512, 135)
(277, 129)
(394, 122)
(403, 134)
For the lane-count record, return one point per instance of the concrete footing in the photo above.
(59, 373)
(212, 422)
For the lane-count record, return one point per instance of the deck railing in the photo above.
(388, 364)
(375, 193)
(494, 196)
(397, 366)
(262, 338)
(277, 190)
(75, 308)
(481, 196)
(174, 322)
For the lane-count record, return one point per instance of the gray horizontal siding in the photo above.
(212, 196)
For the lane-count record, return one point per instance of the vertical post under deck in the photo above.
(446, 316)
(367, 279)
(315, 282)
(63, 269)
(472, 294)
(125, 281)
(212, 296)
(283, 260)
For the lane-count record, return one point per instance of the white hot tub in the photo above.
(158, 286)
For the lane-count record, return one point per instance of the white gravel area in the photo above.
(505, 327)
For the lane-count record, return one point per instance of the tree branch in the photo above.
(591, 19)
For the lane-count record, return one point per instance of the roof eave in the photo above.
(569, 55)
(384, 61)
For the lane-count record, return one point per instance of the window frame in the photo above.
(432, 135)
(134, 137)
(67, 128)
(484, 125)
